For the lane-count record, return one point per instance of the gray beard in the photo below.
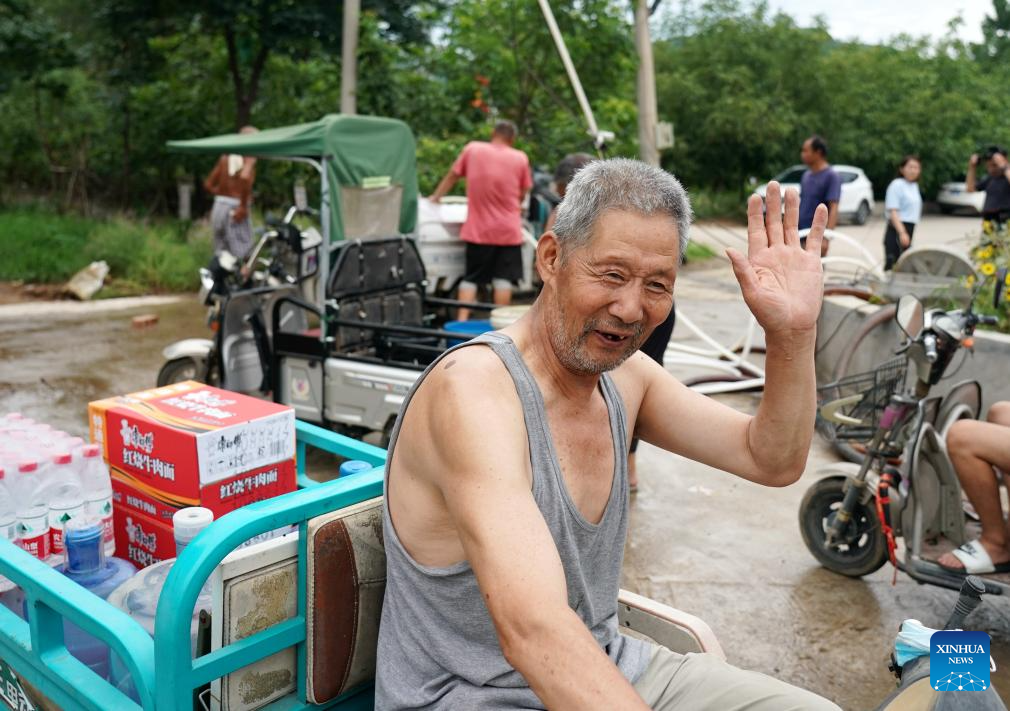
(572, 353)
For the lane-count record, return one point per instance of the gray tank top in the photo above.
(437, 644)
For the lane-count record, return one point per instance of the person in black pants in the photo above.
(903, 209)
(654, 347)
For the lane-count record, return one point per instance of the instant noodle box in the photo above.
(178, 439)
(188, 444)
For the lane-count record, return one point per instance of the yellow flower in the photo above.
(986, 253)
(988, 268)
(970, 280)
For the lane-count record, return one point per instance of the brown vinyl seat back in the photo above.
(346, 581)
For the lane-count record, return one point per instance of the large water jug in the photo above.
(87, 566)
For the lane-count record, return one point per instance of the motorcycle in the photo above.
(239, 296)
(906, 486)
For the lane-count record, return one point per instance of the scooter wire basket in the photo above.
(874, 389)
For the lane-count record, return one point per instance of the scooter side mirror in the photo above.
(909, 315)
(1002, 283)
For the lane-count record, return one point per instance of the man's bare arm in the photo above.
(479, 462)
(894, 217)
(832, 215)
(969, 178)
(446, 185)
(212, 184)
(782, 285)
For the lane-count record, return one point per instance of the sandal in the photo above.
(976, 561)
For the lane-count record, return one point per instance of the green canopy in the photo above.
(354, 151)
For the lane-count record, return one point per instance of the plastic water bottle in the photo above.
(188, 522)
(66, 500)
(97, 487)
(32, 510)
(8, 514)
(8, 528)
(87, 566)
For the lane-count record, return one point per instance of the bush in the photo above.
(711, 204)
(40, 246)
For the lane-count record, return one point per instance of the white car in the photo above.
(856, 203)
(954, 196)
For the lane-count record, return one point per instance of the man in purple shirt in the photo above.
(819, 184)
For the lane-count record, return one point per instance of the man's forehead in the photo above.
(622, 231)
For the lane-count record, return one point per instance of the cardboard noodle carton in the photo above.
(188, 444)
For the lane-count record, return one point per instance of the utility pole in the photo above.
(647, 112)
(349, 58)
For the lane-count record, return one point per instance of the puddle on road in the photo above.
(53, 365)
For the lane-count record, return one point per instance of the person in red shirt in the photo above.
(497, 180)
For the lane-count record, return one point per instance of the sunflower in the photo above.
(970, 280)
(986, 252)
(988, 268)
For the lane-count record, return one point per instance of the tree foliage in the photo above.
(745, 87)
(90, 93)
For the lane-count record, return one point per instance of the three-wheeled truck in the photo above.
(344, 338)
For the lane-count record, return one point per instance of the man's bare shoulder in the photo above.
(466, 408)
(470, 376)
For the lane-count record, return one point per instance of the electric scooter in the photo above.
(906, 486)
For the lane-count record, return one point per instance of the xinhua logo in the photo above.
(959, 661)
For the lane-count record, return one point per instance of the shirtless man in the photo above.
(507, 491)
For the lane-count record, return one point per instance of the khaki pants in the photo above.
(703, 682)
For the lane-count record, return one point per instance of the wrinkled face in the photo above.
(807, 154)
(911, 170)
(606, 298)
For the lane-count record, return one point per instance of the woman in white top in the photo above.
(903, 207)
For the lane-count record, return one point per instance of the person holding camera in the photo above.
(996, 185)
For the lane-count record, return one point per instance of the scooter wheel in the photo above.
(177, 371)
(863, 548)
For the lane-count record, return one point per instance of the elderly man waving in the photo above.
(505, 531)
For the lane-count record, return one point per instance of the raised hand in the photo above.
(781, 281)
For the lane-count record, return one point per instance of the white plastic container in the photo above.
(507, 315)
(66, 499)
(97, 486)
(188, 522)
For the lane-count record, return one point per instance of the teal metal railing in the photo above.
(163, 672)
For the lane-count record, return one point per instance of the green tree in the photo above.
(994, 50)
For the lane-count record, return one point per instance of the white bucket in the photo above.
(507, 315)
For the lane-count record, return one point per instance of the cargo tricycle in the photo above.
(344, 333)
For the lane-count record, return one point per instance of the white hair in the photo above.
(619, 184)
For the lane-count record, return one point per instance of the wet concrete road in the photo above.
(701, 540)
(55, 358)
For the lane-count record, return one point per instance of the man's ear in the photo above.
(548, 261)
